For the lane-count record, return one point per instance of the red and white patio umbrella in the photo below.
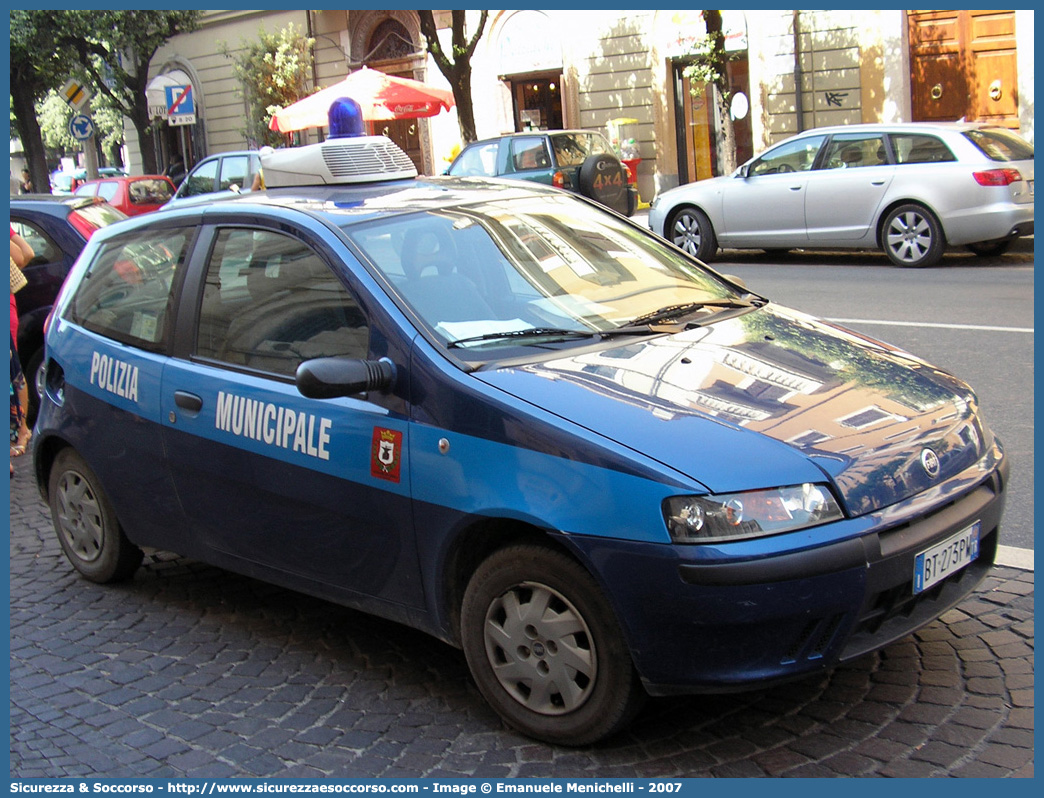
(381, 97)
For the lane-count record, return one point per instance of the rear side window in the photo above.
(126, 292)
(529, 153)
(149, 192)
(851, 152)
(918, 148)
(999, 144)
(270, 303)
(235, 170)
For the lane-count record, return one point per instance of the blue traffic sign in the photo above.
(179, 100)
(81, 127)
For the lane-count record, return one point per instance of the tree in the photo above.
(458, 69)
(54, 115)
(37, 66)
(272, 73)
(115, 49)
(711, 67)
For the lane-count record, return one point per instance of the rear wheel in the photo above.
(545, 649)
(912, 236)
(990, 249)
(86, 524)
(691, 230)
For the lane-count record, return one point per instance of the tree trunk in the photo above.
(32, 139)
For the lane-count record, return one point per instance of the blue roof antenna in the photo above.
(346, 118)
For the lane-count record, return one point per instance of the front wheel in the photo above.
(545, 649)
(691, 230)
(86, 524)
(912, 236)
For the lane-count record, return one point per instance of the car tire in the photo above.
(911, 236)
(691, 230)
(33, 384)
(604, 179)
(545, 649)
(990, 249)
(86, 524)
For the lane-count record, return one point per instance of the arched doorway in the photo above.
(390, 42)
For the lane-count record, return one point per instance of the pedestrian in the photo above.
(176, 169)
(26, 186)
(21, 254)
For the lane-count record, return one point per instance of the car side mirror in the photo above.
(329, 377)
(743, 171)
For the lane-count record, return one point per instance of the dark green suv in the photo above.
(582, 161)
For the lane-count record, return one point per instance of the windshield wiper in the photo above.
(529, 332)
(686, 308)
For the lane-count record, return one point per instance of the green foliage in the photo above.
(272, 73)
(54, 115)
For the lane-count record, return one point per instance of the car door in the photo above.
(314, 490)
(765, 205)
(109, 348)
(846, 188)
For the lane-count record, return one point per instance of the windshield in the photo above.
(523, 271)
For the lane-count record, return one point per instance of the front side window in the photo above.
(44, 248)
(270, 303)
(107, 190)
(126, 293)
(201, 181)
(477, 161)
(791, 156)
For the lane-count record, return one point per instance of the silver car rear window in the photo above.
(1000, 145)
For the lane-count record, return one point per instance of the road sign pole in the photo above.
(90, 148)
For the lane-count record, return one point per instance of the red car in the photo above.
(132, 195)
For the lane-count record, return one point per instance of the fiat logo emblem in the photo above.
(930, 463)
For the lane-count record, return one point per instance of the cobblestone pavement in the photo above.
(192, 671)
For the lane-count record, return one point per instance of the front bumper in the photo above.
(701, 626)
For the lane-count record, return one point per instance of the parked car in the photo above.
(582, 161)
(132, 195)
(217, 174)
(908, 189)
(66, 182)
(506, 416)
(57, 228)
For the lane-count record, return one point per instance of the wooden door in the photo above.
(963, 65)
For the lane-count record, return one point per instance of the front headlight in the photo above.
(751, 514)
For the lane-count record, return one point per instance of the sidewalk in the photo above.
(190, 671)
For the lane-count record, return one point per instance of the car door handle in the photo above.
(877, 182)
(795, 188)
(188, 401)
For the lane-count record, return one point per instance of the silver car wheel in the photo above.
(691, 231)
(79, 517)
(539, 647)
(912, 237)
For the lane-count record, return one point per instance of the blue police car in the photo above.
(503, 415)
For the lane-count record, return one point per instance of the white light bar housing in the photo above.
(355, 159)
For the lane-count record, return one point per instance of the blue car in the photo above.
(505, 416)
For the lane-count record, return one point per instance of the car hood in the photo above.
(770, 398)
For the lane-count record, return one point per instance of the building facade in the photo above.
(623, 72)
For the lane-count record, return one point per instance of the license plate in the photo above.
(935, 564)
(1031, 187)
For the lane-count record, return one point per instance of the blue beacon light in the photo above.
(346, 119)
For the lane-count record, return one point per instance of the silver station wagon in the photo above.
(908, 189)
